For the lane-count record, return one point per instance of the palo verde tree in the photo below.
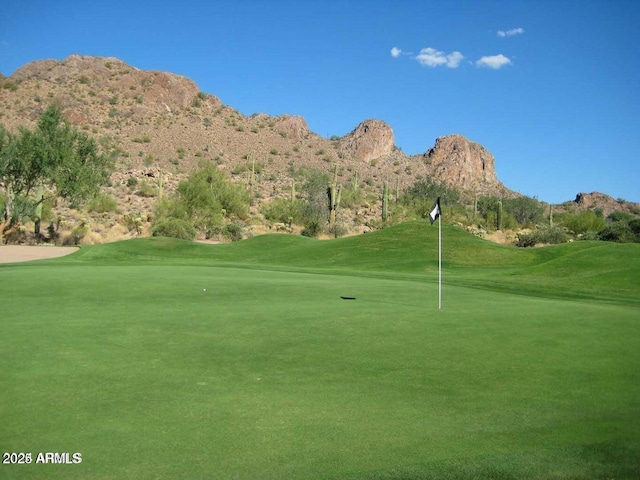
(54, 160)
(202, 203)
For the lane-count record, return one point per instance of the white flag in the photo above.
(435, 211)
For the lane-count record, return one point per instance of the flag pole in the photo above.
(436, 214)
(440, 262)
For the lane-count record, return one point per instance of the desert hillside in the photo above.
(159, 126)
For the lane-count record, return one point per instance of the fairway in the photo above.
(166, 359)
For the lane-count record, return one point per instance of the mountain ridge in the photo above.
(160, 125)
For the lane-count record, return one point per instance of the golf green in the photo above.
(196, 368)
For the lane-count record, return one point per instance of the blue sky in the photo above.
(550, 87)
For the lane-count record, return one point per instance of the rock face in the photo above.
(461, 163)
(370, 140)
(293, 126)
(606, 203)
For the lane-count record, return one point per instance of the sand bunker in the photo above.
(21, 253)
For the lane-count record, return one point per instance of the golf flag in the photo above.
(436, 214)
(435, 211)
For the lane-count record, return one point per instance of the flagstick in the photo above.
(440, 261)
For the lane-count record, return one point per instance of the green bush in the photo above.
(526, 211)
(103, 203)
(617, 232)
(547, 235)
(174, 227)
(203, 201)
(233, 231)
(146, 189)
(420, 197)
(283, 210)
(315, 207)
(581, 223)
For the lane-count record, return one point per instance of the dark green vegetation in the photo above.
(202, 203)
(530, 371)
(54, 160)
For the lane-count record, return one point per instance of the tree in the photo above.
(54, 160)
(421, 195)
(203, 201)
(525, 210)
(315, 211)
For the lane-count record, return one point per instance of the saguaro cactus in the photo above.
(385, 202)
(334, 193)
(499, 219)
(38, 210)
(160, 184)
(251, 177)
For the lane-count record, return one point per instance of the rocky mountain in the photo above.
(600, 201)
(463, 164)
(156, 122)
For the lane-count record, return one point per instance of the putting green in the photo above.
(268, 373)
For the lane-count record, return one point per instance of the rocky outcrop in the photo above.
(463, 164)
(370, 140)
(154, 91)
(293, 127)
(605, 203)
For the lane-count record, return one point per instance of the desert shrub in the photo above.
(77, 234)
(338, 230)
(546, 235)
(526, 211)
(204, 200)
(315, 207)
(146, 189)
(132, 182)
(622, 227)
(174, 227)
(620, 217)
(581, 223)
(283, 210)
(133, 222)
(419, 198)
(102, 203)
(352, 197)
(233, 231)
(617, 232)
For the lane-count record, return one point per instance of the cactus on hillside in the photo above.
(385, 202)
(334, 192)
(160, 184)
(38, 210)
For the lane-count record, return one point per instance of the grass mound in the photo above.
(588, 270)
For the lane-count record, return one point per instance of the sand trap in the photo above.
(22, 253)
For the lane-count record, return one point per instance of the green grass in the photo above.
(119, 353)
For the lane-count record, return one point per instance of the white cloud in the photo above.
(493, 61)
(430, 57)
(511, 33)
(395, 52)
